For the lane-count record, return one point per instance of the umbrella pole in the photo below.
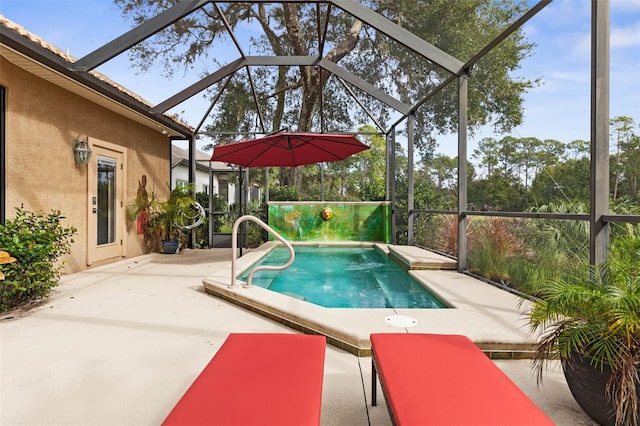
(246, 206)
(321, 181)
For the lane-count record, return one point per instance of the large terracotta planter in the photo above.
(588, 385)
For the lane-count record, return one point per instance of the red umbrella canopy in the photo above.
(288, 149)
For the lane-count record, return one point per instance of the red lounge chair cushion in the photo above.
(447, 380)
(257, 379)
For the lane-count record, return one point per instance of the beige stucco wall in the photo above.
(42, 123)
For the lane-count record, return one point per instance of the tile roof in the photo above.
(179, 154)
(39, 41)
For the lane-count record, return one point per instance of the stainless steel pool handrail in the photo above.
(234, 249)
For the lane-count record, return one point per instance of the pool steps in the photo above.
(414, 258)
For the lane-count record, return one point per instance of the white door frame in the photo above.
(117, 248)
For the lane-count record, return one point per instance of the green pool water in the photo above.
(343, 277)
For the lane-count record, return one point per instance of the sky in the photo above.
(557, 109)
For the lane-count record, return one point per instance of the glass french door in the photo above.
(106, 202)
(106, 210)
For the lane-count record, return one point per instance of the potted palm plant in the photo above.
(591, 321)
(164, 217)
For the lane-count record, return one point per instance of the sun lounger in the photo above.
(431, 379)
(257, 379)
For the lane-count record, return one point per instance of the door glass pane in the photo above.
(106, 200)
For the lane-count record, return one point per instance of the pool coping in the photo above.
(493, 318)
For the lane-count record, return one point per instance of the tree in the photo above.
(518, 160)
(622, 127)
(371, 172)
(565, 182)
(292, 96)
(577, 149)
(497, 192)
(443, 171)
(442, 174)
(534, 155)
(625, 163)
(487, 154)
(631, 161)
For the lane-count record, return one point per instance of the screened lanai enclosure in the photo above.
(338, 66)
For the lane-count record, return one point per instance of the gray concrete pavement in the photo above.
(119, 345)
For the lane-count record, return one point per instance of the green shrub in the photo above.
(219, 205)
(256, 235)
(37, 241)
(284, 193)
(202, 231)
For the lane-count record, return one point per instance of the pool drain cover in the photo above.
(401, 321)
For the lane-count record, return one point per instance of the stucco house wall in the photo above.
(42, 123)
(44, 114)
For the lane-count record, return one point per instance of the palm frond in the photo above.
(596, 313)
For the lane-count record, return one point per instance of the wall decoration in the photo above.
(331, 221)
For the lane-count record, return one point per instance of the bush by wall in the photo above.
(37, 242)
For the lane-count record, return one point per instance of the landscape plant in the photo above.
(202, 232)
(169, 214)
(37, 241)
(163, 218)
(437, 232)
(550, 247)
(294, 95)
(595, 314)
(493, 243)
(219, 205)
(256, 235)
(4, 259)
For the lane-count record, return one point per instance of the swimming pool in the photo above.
(342, 277)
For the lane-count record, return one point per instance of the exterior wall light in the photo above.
(82, 150)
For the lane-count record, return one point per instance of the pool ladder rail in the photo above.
(234, 250)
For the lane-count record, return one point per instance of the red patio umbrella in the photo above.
(288, 149)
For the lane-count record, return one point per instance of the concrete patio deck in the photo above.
(119, 345)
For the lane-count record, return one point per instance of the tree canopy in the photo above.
(308, 98)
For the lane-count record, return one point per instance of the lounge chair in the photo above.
(432, 379)
(257, 379)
